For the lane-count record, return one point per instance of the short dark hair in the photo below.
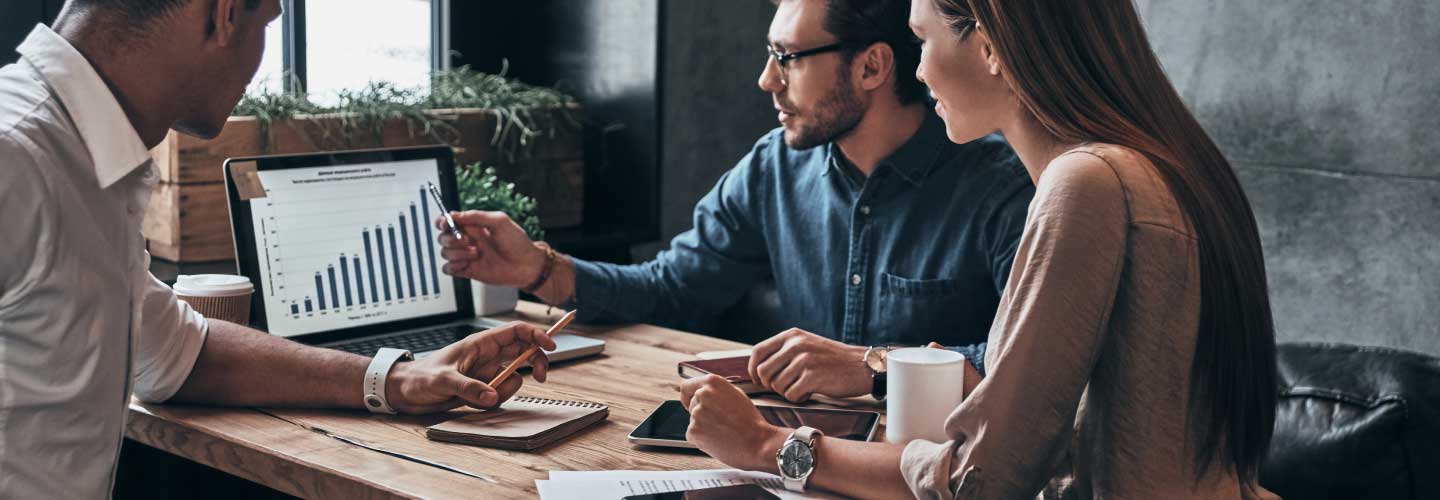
(140, 10)
(860, 23)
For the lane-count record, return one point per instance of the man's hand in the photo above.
(458, 374)
(726, 425)
(495, 250)
(972, 376)
(797, 364)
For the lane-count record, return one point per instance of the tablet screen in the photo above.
(670, 420)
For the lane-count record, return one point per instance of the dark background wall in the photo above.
(711, 110)
(1330, 112)
(607, 55)
(17, 18)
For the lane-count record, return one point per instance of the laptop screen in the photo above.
(341, 246)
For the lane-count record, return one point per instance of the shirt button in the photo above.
(864, 209)
(855, 279)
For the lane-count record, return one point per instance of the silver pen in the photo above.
(439, 202)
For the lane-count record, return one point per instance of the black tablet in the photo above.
(666, 425)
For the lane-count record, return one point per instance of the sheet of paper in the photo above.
(565, 485)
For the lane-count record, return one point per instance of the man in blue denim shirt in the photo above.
(876, 228)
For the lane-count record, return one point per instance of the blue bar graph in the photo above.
(370, 266)
(345, 280)
(409, 265)
(430, 238)
(395, 259)
(384, 271)
(331, 286)
(359, 283)
(334, 292)
(419, 256)
(319, 291)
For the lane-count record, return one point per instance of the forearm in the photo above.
(244, 367)
(858, 469)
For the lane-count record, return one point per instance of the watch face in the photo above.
(796, 460)
(875, 359)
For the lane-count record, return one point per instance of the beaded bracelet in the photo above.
(544, 271)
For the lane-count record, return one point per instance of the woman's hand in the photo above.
(458, 374)
(725, 424)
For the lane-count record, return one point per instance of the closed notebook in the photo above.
(734, 369)
(523, 423)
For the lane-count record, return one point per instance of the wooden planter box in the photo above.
(187, 220)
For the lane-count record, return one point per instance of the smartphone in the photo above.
(735, 492)
(666, 425)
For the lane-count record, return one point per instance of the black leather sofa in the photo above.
(1352, 422)
(1355, 422)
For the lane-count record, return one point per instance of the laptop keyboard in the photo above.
(416, 342)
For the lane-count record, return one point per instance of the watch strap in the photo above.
(377, 373)
(878, 387)
(808, 435)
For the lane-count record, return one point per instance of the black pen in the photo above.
(449, 221)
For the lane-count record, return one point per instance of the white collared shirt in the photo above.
(83, 323)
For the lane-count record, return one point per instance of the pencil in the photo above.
(515, 365)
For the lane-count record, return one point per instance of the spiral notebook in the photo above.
(523, 423)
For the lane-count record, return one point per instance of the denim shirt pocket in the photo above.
(918, 310)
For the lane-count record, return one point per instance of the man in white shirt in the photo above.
(83, 324)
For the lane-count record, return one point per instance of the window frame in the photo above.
(294, 47)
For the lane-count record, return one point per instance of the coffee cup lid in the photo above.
(212, 285)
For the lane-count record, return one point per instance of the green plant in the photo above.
(268, 106)
(522, 112)
(480, 189)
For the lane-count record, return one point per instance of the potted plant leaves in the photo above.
(530, 135)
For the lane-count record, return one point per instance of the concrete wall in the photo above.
(1330, 112)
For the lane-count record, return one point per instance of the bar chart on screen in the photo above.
(351, 245)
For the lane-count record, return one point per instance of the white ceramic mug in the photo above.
(923, 386)
(219, 296)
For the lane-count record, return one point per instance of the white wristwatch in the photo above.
(375, 377)
(796, 458)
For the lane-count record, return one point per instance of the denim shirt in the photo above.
(918, 252)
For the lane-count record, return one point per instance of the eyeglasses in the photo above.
(783, 59)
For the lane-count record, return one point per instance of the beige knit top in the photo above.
(1090, 352)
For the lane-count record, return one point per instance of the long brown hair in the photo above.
(1086, 71)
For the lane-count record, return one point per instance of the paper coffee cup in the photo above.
(218, 296)
(923, 386)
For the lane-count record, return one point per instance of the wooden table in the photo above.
(273, 447)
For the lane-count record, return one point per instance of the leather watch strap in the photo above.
(375, 377)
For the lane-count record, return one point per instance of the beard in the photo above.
(837, 114)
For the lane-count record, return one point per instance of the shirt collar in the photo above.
(913, 160)
(114, 145)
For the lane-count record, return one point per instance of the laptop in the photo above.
(343, 254)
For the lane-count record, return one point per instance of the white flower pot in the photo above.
(493, 299)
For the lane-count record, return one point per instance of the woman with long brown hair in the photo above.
(1133, 352)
